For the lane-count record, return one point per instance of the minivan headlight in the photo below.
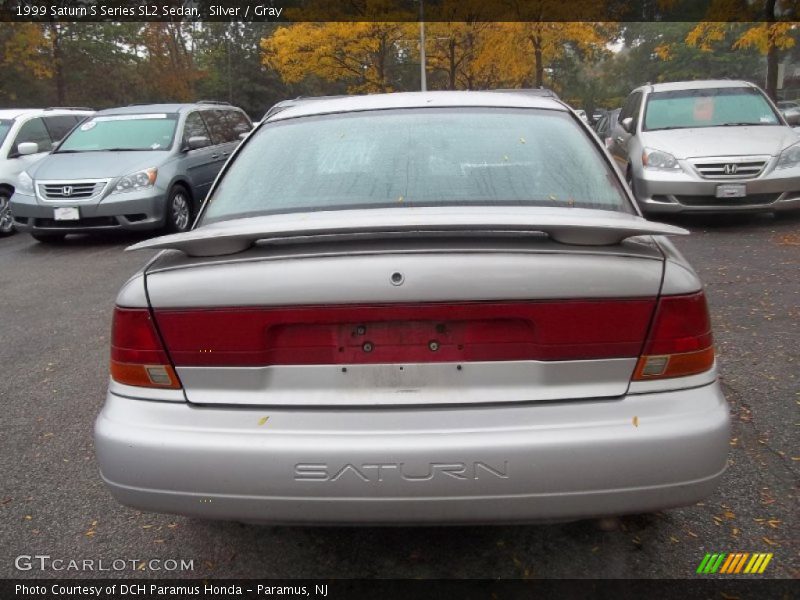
(789, 157)
(659, 160)
(136, 181)
(24, 184)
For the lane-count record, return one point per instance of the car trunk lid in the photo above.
(421, 320)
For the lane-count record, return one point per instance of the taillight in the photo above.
(549, 330)
(137, 355)
(680, 341)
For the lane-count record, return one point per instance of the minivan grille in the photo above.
(71, 190)
(733, 168)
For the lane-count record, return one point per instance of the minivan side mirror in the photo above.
(627, 124)
(26, 148)
(793, 118)
(197, 141)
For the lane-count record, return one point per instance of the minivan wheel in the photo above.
(49, 238)
(179, 210)
(6, 220)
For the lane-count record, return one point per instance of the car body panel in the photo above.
(453, 465)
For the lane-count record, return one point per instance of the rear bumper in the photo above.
(489, 464)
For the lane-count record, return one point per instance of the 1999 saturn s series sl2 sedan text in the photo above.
(414, 308)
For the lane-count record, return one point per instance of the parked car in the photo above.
(414, 308)
(606, 125)
(19, 129)
(707, 146)
(790, 111)
(140, 167)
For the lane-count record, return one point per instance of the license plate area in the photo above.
(732, 190)
(402, 341)
(66, 213)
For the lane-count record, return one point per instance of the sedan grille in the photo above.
(71, 190)
(733, 168)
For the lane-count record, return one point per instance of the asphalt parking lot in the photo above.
(54, 333)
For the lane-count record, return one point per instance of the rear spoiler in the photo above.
(584, 227)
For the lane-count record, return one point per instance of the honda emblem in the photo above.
(730, 169)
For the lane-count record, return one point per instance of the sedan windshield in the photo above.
(122, 132)
(712, 107)
(417, 157)
(5, 125)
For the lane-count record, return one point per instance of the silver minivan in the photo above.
(707, 147)
(134, 168)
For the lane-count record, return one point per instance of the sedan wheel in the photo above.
(180, 211)
(6, 220)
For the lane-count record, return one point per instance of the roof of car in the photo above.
(135, 109)
(13, 113)
(416, 100)
(700, 84)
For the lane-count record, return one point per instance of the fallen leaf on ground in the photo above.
(770, 542)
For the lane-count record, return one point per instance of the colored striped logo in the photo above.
(734, 563)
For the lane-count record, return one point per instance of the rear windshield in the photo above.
(5, 125)
(711, 107)
(122, 132)
(417, 157)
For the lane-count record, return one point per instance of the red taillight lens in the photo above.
(680, 340)
(551, 330)
(137, 355)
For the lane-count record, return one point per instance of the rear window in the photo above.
(417, 157)
(710, 107)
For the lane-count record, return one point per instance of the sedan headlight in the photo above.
(24, 184)
(659, 160)
(789, 157)
(136, 181)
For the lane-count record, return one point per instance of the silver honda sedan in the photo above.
(414, 308)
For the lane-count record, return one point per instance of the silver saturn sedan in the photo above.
(707, 147)
(414, 308)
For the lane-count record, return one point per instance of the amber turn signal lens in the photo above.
(674, 365)
(158, 376)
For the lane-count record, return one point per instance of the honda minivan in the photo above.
(134, 168)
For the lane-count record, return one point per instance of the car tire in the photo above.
(786, 215)
(49, 238)
(179, 210)
(6, 220)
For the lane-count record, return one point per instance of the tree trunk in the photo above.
(452, 73)
(537, 59)
(58, 65)
(772, 52)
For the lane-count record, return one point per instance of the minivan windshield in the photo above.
(122, 132)
(711, 107)
(5, 126)
(417, 157)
